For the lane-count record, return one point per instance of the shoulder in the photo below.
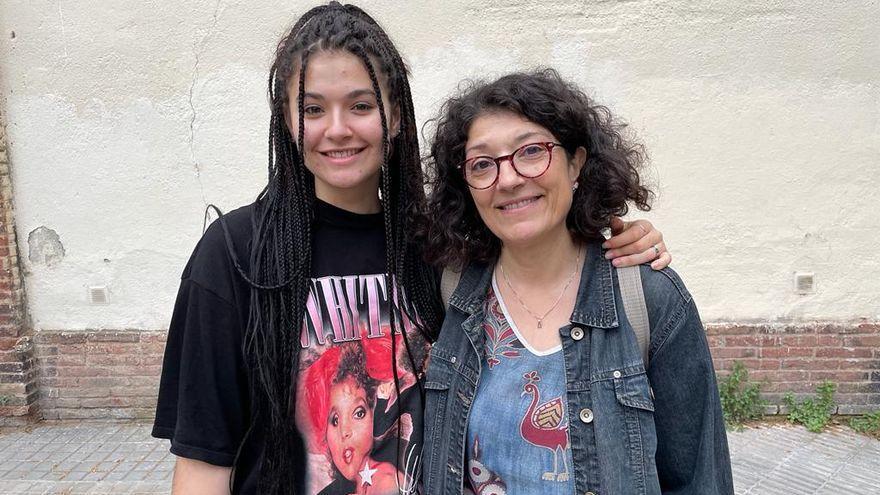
(227, 236)
(663, 287)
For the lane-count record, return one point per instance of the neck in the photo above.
(540, 262)
(363, 201)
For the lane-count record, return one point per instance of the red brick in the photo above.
(785, 352)
(60, 337)
(829, 340)
(839, 376)
(843, 352)
(799, 340)
(779, 375)
(862, 341)
(7, 343)
(729, 330)
(153, 348)
(154, 337)
(733, 352)
(114, 337)
(114, 359)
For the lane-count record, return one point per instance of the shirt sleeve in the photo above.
(692, 453)
(203, 399)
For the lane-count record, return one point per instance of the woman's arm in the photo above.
(692, 454)
(192, 477)
(634, 243)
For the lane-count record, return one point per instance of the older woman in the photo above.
(537, 383)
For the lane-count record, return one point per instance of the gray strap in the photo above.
(630, 281)
(448, 283)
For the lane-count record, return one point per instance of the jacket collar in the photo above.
(595, 306)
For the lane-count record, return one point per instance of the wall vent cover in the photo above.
(99, 295)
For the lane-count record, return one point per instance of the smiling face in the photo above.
(516, 209)
(342, 137)
(349, 427)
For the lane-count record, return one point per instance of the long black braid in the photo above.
(280, 255)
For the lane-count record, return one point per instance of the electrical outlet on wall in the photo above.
(804, 283)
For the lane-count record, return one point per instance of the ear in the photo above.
(576, 164)
(394, 122)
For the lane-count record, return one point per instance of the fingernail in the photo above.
(616, 262)
(605, 244)
(608, 255)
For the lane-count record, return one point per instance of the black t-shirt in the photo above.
(347, 402)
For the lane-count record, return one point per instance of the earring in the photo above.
(574, 187)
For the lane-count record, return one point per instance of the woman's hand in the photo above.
(636, 242)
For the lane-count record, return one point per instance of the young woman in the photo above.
(323, 258)
(537, 383)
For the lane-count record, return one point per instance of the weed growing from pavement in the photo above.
(869, 423)
(813, 413)
(740, 399)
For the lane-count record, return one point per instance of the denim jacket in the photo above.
(631, 431)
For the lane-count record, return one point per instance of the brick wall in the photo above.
(103, 374)
(18, 390)
(797, 358)
(99, 374)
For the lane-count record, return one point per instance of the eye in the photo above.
(362, 107)
(480, 165)
(531, 151)
(312, 110)
(360, 413)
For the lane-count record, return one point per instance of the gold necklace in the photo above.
(577, 263)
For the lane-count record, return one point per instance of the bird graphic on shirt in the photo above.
(544, 425)
(483, 481)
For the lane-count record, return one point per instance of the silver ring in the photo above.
(656, 251)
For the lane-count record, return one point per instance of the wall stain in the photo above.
(44, 247)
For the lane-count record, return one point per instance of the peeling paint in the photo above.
(44, 247)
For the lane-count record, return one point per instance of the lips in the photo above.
(347, 455)
(517, 204)
(341, 154)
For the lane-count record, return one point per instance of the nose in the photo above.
(338, 127)
(508, 178)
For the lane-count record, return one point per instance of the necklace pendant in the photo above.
(540, 323)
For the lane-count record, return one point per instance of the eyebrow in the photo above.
(352, 94)
(519, 138)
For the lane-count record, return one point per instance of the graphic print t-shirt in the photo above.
(347, 406)
(347, 399)
(518, 441)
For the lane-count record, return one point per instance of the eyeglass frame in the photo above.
(550, 145)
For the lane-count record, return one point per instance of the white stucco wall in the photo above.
(762, 119)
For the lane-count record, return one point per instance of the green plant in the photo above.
(5, 399)
(814, 413)
(740, 399)
(869, 423)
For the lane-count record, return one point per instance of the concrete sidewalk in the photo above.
(115, 458)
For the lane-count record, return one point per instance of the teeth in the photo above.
(518, 204)
(341, 154)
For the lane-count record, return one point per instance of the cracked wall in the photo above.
(761, 119)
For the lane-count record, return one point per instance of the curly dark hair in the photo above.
(452, 232)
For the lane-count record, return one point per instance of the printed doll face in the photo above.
(349, 427)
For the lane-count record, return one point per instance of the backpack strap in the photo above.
(630, 281)
(448, 283)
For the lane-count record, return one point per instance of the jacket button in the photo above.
(616, 374)
(577, 333)
(586, 415)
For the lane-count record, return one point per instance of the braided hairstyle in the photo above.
(280, 256)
